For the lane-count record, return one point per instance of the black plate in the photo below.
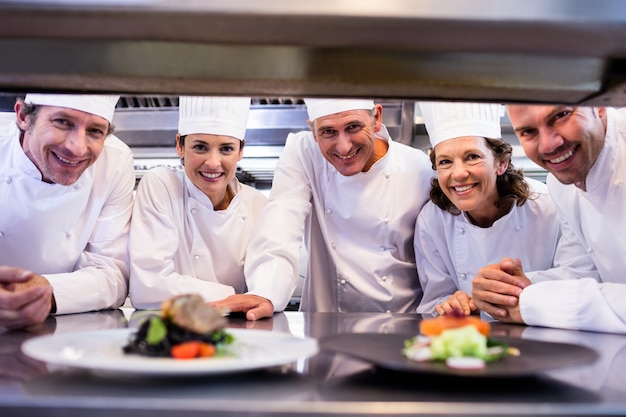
(385, 351)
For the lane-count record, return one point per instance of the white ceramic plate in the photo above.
(101, 351)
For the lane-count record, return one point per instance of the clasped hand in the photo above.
(496, 290)
(25, 298)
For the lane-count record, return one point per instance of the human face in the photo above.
(565, 140)
(211, 164)
(347, 139)
(61, 142)
(467, 171)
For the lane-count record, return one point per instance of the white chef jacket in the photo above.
(450, 250)
(179, 244)
(359, 232)
(594, 234)
(76, 236)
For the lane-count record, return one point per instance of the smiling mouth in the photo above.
(464, 188)
(211, 175)
(561, 158)
(352, 155)
(65, 161)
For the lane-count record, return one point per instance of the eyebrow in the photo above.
(62, 113)
(550, 115)
(221, 143)
(348, 123)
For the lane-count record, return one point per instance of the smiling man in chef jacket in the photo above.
(353, 194)
(66, 195)
(584, 149)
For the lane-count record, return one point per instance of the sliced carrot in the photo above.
(434, 326)
(206, 350)
(186, 350)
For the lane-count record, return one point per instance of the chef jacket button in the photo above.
(462, 276)
(8, 180)
(333, 245)
(462, 231)
(328, 211)
(68, 235)
(77, 186)
(386, 221)
(589, 250)
(382, 249)
(517, 228)
(383, 278)
(388, 311)
(387, 175)
(244, 217)
(242, 263)
(196, 257)
(342, 282)
(194, 211)
(1, 234)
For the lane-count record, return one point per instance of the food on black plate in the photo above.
(460, 342)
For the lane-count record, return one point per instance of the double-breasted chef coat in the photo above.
(180, 244)
(76, 236)
(450, 250)
(359, 230)
(588, 291)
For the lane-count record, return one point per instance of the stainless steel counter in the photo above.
(324, 385)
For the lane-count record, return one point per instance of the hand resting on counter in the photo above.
(25, 298)
(253, 306)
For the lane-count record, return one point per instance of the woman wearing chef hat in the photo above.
(481, 207)
(191, 226)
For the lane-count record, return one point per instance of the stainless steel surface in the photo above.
(324, 385)
(569, 51)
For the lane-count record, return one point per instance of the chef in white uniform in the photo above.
(355, 194)
(66, 191)
(191, 226)
(584, 148)
(481, 207)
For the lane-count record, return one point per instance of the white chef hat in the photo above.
(319, 107)
(99, 105)
(226, 116)
(449, 120)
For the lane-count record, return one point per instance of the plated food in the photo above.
(187, 328)
(460, 342)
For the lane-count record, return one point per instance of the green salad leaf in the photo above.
(157, 331)
(462, 341)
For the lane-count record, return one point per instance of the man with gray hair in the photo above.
(353, 195)
(66, 195)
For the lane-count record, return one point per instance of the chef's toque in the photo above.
(449, 120)
(319, 107)
(227, 116)
(99, 105)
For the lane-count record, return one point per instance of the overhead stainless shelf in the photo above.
(568, 51)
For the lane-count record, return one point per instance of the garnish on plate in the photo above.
(460, 342)
(187, 328)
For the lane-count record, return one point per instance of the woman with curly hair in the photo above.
(481, 207)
